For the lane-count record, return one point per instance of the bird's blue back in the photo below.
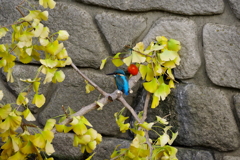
(122, 83)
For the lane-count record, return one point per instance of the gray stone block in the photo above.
(64, 149)
(21, 71)
(85, 45)
(235, 5)
(9, 96)
(185, 31)
(194, 7)
(231, 158)
(120, 30)
(107, 146)
(236, 102)
(221, 51)
(205, 118)
(194, 154)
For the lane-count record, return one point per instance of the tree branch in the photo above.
(124, 102)
(149, 144)
(90, 81)
(105, 100)
(145, 109)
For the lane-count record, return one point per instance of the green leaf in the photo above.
(47, 3)
(90, 157)
(100, 105)
(22, 100)
(49, 62)
(174, 136)
(54, 47)
(44, 15)
(103, 63)
(49, 148)
(62, 35)
(89, 88)
(155, 101)
(45, 33)
(137, 57)
(162, 40)
(37, 29)
(17, 155)
(162, 120)
(128, 60)
(143, 70)
(168, 55)
(162, 91)
(49, 124)
(171, 84)
(1, 95)
(38, 100)
(169, 72)
(163, 139)
(79, 128)
(3, 32)
(28, 115)
(36, 86)
(147, 126)
(62, 54)
(59, 76)
(146, 72)
(174, 45)
(85, 121)
(92, 145)
(151, 86)
(4, 111)
(28, 148)
(117, 61)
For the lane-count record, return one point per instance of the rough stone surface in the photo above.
(85, 44)
(107, 146)
(236, 102)
(120, 30)
(8, 95)
(26, 72)
(235, 5)
(190, 154)
(72, 93)
(231, 158)
(8, 14)
(183, 30)
(206, 118)
(186, 7)
(221, 51)
(63, 145)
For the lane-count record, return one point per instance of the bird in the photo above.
(121, 81)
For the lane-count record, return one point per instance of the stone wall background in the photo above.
(204, 107)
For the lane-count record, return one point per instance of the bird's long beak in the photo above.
(111, 73)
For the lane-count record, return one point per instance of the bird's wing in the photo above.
(122, 83)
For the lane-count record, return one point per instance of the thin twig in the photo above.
(171, 78)
(138, 52)
(90, 81)
(124, 102)
(64, 110)
(117, 156)
(145, 109)
(149, 144)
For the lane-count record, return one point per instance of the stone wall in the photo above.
(205, 106)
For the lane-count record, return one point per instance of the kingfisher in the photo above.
(121, 81)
